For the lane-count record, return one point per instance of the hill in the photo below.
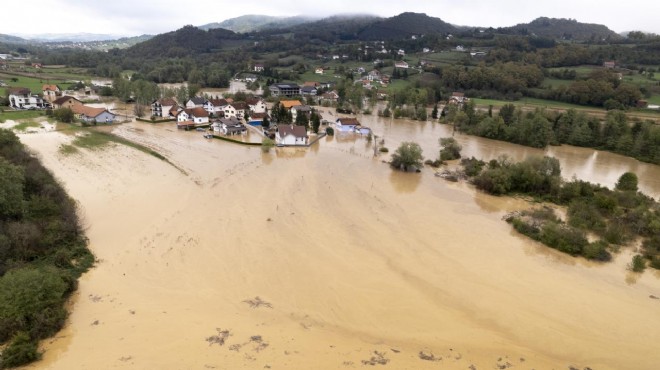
(9, 39)
(183, 42)
(562, 28)
(252, 22)
(405, 25)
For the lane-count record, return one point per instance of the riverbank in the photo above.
(357, 263)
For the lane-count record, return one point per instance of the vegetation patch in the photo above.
(23, 126)
(609, 217)
(43, 251)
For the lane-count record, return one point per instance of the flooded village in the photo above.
(239, 203)
(321, 256)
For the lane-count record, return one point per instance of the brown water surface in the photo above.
(351, 262)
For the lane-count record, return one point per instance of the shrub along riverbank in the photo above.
(608, 217)
(43, 251)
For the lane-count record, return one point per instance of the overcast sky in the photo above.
(136, 17)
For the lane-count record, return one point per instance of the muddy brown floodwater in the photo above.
(324, 258)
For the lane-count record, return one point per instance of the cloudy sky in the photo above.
(136, 17)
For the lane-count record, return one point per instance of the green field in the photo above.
(655, 99)
(535, 103)
(34, 84)
(554, 82)
(21, 114)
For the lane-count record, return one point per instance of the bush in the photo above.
(267, 144)
(383, 149)
(597, 251)
(329, 131)
(637, 264)
(20, 351)
(627, 182)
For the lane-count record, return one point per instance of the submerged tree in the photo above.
(451, 149)
(407, 156)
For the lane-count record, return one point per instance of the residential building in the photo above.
(346, 124)
(401, 64)
(237, 109)
(458, 98)
(51, 92)
(282, 89)
(196, 102)
(330, 97)
(229, 126)
(308, 91)
(162, 107)
(22, 98)
(256, 105)
(259, 67)
(300, 109)
(288, 104)
(92, 115)
(291, 135)
(65, 102)
(215, 107)
(197, 115)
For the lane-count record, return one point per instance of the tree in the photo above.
(451, 149)
(64, 115)
(408, 155)
(265, 123)
(434, 113)
(316, 122)
(627, 182)
(12, 181)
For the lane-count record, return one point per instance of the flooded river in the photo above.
(325, 258)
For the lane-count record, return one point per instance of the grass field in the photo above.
(34, 84)
(20, 114)
(25, 125)
(655, 99)
(536, 103)
(554, 82)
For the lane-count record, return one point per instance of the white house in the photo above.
(258, 67)
(291, 135)
(236, 109)
(162, 107)
(93, 115)
(196, 115)
(401, 64)
(256, 105)
(346, 124)
(319, 71)
(215, 107)
(196, 102)
(22, 98)
(374, 75)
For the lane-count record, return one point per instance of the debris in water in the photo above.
(257, 302)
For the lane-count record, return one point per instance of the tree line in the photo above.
(540, 128)
(43, 251)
